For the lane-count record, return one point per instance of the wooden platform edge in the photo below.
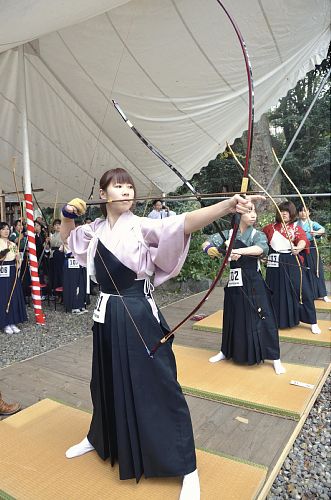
(262, 495)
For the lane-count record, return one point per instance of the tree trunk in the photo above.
(262, 160)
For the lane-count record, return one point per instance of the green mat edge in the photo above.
(317, 343)
(242, 403)
(6, 496)
(207, 450)
(234, 459)
(213, 329)
(282, 338)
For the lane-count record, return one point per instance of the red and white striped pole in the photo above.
(33, 261)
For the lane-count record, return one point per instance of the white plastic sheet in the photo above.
(175, 67)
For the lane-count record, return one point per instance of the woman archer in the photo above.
(140, 416)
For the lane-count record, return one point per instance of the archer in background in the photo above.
(12, 304)
(250, 332)
(286, 276)
(312, 259)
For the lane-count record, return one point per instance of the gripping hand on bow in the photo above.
(241, 205)
(210, 250)
(76, 206)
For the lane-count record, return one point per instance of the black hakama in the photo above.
(317, 283)
(25, 276)
(56, 269)
(140, 416)
(250, 333)
(74, 285)
(17, 309)
(284, 282)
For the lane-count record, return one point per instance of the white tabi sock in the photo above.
(79, 449)
(278, 367)
(218, 357)
(315, 329)
(191, 487)
(326, 299)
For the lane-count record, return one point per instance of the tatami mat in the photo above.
(256, 387)
(299, 334)
(322, 306)
(33, 465)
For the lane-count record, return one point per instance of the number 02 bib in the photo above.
(235, 278)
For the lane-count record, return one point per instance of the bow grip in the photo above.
(235, 220)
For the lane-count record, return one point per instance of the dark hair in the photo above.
(3, 225)
(56, 221)
(301, 208)
(17, 221)
(112, 177)
(287, 206)
(154, 202)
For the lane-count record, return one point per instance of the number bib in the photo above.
(273, 260)
(4, 271)
(72, 263)
(100, 308)
(235, 278)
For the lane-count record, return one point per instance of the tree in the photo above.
(308, 162)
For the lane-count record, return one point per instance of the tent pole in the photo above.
(33, 262)
(325, 79)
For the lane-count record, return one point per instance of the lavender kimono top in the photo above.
(147, 246)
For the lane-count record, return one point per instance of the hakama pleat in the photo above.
(74, 287)
(140, 416)
(317, 283)
(284, 282)
(246, 337)
(56, 269)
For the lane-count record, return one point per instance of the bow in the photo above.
(19, 237)
(304, 206)
(161, 157)
(244, 183)
(245, 180)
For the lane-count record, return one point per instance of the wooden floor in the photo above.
(64, 374)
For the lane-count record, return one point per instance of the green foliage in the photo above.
(264, 218)
(308, 162)
(198, 265)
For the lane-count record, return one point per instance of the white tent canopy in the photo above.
(175, 67)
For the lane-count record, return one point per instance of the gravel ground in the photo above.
(61, 329)
(306, 471)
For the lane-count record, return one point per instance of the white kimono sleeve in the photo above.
(168, 245)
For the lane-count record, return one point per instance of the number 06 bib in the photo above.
(235, 278)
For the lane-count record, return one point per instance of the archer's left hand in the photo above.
(243, 205)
